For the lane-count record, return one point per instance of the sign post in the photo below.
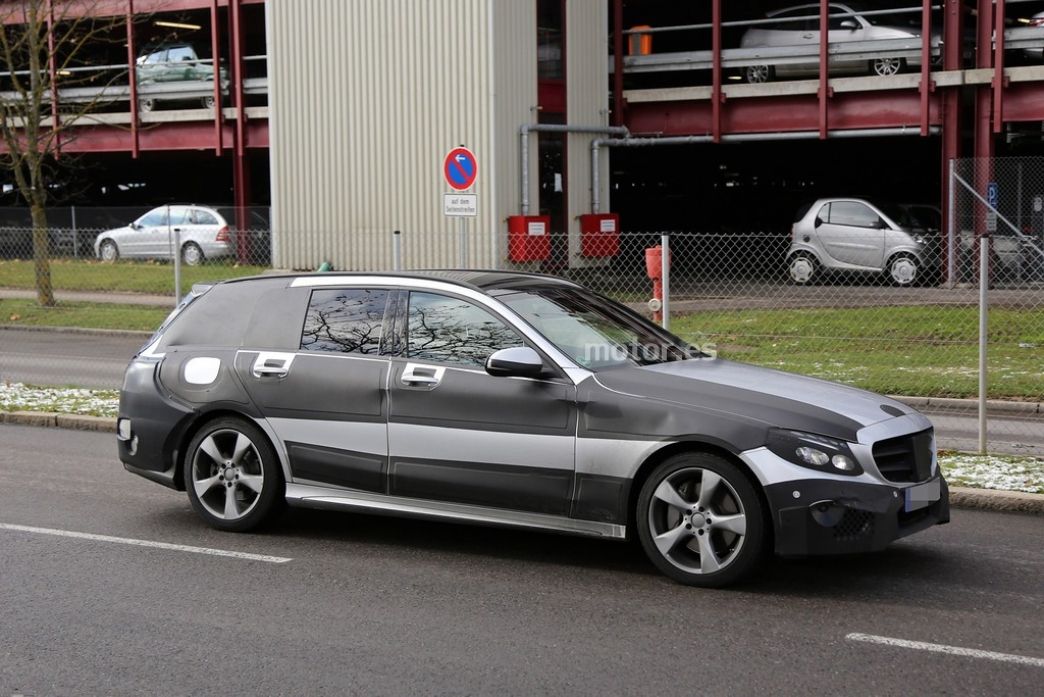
(460, 168)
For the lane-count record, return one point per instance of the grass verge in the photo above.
(23, 313)
(119, 277)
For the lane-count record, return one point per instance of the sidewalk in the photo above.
(94, 297)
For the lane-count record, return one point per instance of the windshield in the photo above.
(595, 332)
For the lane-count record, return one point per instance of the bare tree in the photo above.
(39, 41)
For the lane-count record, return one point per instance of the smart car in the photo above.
(515, 400)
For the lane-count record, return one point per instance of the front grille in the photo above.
(906, 458)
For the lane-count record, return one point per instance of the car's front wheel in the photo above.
(108, 251)
(802, 268)
(903, 269)
(146, 104)
(756, 74)
(700, 520)
(232, 475)
(885, 67)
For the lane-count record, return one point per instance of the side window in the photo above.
(181, 54)
(156, 57)
(448, 330)
(853, 214)
(346, 320)
(824, 213)
(154, 218)
(203, 217)
(179, 216)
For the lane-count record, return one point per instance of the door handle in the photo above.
(414, 375)
(806, 36)
(271, 364)
(270, 370)
(177, 229)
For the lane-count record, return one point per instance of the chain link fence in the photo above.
(864, 293)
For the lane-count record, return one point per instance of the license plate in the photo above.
(922, 495)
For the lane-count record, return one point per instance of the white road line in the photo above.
(943, 648)
(146, 543)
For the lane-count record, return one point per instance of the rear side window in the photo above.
(203, 218)
(346, 320)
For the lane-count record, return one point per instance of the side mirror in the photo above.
(819, 221)
(520, 361)
(882, 225)
(849, 24)
(134, 226)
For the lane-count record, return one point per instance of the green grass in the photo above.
(1004, 472)
(21, 313)
(931, 351)
(120, 277)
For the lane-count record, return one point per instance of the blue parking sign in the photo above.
(993, 194)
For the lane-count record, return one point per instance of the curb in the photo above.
(993, 406)
(960, 497)
(77, 330)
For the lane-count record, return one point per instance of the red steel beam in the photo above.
(926, 60)
(52, 68)
(215, 52)
(240, 173)
(132, 76)
(716, 93)
(114, 8)
(998, 67)
(175, 136)
(618, 65)
(953, 21)
(824, 66)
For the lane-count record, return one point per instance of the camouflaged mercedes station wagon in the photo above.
(520, 400)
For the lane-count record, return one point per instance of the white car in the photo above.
(203, 233)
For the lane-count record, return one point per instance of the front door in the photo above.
(457, 433)
(326, 401)
(852, 233)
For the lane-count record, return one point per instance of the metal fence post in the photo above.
(75, 235)
(397, 250)
(665, 271)
(984, 282)
(951, 233)
(462, 243)
(177, 266)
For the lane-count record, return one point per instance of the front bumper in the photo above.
(832, 517)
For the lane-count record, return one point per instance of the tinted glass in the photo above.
(852, 214)
(154, 218)
(450, 330)
(344, 321)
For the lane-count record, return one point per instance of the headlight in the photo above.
(813, 451)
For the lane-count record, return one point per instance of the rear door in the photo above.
(143, 242)
(326, 400)
(457, 433)
(852, 233)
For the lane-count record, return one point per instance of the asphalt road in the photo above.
(370, 605)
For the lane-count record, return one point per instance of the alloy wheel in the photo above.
(887, 66)
(758, 73)
(227, 474)
(903, 270)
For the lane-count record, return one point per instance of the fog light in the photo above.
(812, 456)
(123, 429)
(827, 513)
(843, 463)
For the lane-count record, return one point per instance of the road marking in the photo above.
(943, 648)
(146, 543)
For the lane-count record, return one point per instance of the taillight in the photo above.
(222, 235)
(1037, 22)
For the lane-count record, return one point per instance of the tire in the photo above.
(695, 535)
(146, 104)
(108, 251)
(886, 67)
(208, 102)
(758, 74)
(903, 270)
(191, 254)
(225, 464)
(802, 269)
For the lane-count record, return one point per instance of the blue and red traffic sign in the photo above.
(460, 169)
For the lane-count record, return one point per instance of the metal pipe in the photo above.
(397, 250)
(951, 243)
(132, 73)
(177, 261)
(526, 129)
(618, 62)
(598, 143)
(665, 280)
(215, 48)
(984, 282)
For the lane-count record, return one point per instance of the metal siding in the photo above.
(367, 97)
(587, 104)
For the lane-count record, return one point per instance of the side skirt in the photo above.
(309, 496)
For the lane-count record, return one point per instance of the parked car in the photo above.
(516, 400)
(799, 27)
(204, 235)
(176, 63)
(857, 235)
(1031, 31)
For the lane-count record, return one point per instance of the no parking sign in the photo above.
(460, 169)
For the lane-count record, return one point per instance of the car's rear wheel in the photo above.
(700, 520)
(903, 270)
(232, 475)
(802, 268)
(208, 102)
(191, 254)
(756, 74)
(146, 104)
(108, 251)
(885, 67)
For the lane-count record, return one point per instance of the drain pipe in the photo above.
(599, 143)
(526, 129)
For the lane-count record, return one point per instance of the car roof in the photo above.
(477, 279)
(810, 6)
